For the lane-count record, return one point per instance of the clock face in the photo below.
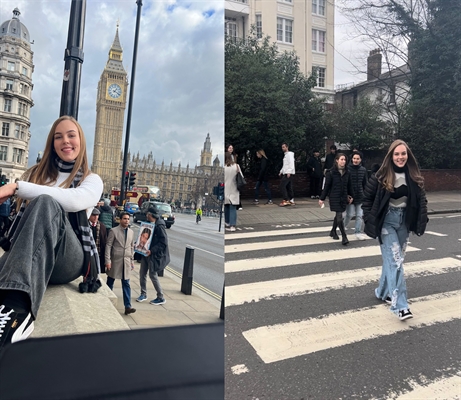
(115, 91)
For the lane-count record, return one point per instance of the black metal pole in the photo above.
(130, 103)
(73, 60)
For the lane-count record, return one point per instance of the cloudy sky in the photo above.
(179, 81)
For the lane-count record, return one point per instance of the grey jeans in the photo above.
(44, 250)
(143, 270)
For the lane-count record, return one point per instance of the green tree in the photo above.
(361, 126)
(433, 128)
(268, 101)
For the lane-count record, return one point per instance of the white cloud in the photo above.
(178, 91)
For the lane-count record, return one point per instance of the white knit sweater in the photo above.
(84, 197)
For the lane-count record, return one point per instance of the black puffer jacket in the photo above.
(314, 167)
(376, 204)
(262, 177)
(359, 181)
(337, 188)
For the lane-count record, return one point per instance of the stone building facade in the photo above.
(183, 186)
(110, 113)
(16, 68)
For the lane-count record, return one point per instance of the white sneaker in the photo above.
(227, 225)
(292, 201)
(359, 236)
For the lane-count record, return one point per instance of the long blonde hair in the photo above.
(386, 175)
(46, 171)
(263, 153)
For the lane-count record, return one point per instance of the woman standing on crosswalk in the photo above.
(338, 187)
(394, 205)
(231, 193)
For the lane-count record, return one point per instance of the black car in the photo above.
(164, 211)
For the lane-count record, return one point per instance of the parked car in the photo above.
(131, 207)
(164, 211)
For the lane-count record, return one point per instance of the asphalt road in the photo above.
(314, 329)
(208, 246)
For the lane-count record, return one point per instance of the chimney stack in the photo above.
(374, 64)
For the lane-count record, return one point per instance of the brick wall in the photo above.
(435, 181)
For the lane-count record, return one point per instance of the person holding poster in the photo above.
(144, 238)
(157, 258)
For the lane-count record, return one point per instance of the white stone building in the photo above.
(305, 26)
(16, 68)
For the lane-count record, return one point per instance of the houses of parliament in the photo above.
(181, 185)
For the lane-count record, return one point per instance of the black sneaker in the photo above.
(388, 300)
(405, 314)
(14, 326)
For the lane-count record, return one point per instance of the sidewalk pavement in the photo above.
(179, 309)
(308, 210)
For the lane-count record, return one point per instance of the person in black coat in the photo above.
(338, 187)
(359, 181)
(262, 177)
(394, 205)
(314, 169)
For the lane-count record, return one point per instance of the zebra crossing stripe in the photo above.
(281, 232)
(279, 244)
(443, 388)
(254, 292)
(293, 339)
(303, 258)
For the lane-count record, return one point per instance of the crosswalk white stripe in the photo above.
(288, 340)
(303, 258)
(240, 294)
(443, 388)
(436, 233)
(279, 244)
(281, 232)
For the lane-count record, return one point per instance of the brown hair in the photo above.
(228, 159)
(46, 171)
(263, 153)
(386, 173)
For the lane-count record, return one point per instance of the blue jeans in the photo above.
(356, 209)
(266, 188)
(125, 288)
(394, 236)
(230, 214)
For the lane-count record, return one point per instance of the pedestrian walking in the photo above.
(99, 232)
(329, 159)
(107, 216)
(119, 258)
(158, 257)
(394, 205)
(5, 210)
(314, 170)
(359, 180)
(230, 149)
(287, 172)
(338, 187)
(231, 192)
(262, 177)
(49, 241)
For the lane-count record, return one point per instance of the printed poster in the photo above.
(144, 239)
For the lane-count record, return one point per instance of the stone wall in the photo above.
(436, 180)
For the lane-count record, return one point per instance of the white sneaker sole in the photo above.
(18, 336)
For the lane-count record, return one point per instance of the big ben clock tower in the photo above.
(110, 111)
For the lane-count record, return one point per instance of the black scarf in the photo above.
(81, 227)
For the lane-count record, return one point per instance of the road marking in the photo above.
(269, 290)
(442, 388)
(206, 251)
(303, 258)
(239, 369)
(249, 235)
(288, 340)
(235, 248)
(453, 216)
(197, 285)
(435, 233)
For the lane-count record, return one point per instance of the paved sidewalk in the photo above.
(308, 210)
(179, 309)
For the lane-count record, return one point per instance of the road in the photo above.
(208, 254)
(302, 321)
